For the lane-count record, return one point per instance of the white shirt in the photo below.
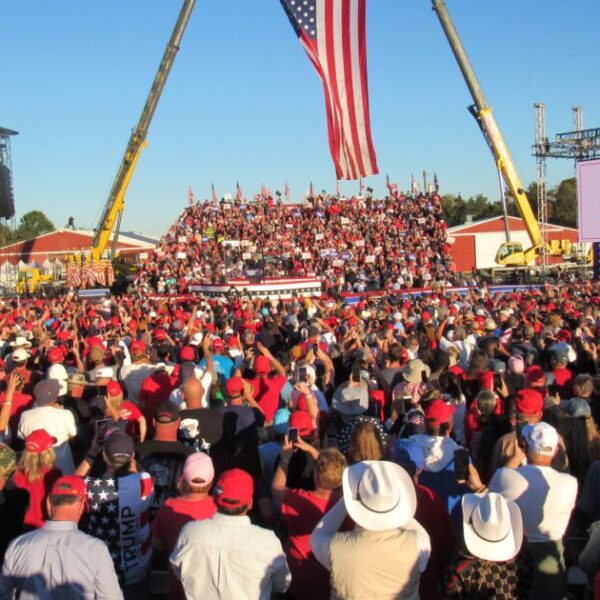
(133, 376)
(545, 496)
(228, 557)
(58, 373)
(205, 378)
(60, 424)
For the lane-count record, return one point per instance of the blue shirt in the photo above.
(224, 366)
(57, 562)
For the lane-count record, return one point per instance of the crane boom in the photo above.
(115, 203)
(485, 117)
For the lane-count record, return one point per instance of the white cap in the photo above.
(541, 438)
(104, 372)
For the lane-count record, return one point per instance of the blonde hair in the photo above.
(33, 464)
(114, 404)
(329, 468)
(364, 443)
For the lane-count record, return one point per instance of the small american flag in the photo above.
(215, 198)
(239, 194)
(333, 34)
(436, 183)
(286, 191)
(190, 195)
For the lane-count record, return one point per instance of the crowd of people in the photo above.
(355, 244)
(443, 446)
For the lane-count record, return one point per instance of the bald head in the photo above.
(193, 393)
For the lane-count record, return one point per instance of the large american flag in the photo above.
(119, 515)
(333, 33)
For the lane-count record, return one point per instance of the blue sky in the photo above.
(244, 103)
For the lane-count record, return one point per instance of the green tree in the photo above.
(32, 224)
(562, 207)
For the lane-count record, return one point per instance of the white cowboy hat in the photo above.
(492, 526)
(20, 355)
(379, 495)
(20, 342)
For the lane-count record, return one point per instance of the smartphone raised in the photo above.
(461, 464)
(302, 374)
(356, 374)
(292, 435)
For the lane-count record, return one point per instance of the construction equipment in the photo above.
(113, 209)
(510, 253)
(30, 280)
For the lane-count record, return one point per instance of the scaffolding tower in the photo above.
(6, 160)
(578, 145)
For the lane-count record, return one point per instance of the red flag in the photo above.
(333, 34)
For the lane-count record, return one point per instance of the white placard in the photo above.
(359, 243)
(306, 255)
(344, 220)
(182, 239)
(246, 256)
(337, 262)
(143, 255)
(370, 258)
(227, 197)
(421, 220)
(226, 205)
(319, 236)
(181, 255)
(450, 239)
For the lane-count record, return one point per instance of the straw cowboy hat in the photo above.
(492, 526)
(379, 495)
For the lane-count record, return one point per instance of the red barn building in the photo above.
(474, 245)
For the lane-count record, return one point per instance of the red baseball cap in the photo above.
(218, 344)
(529, 402)
(233, 342)
(133, 325)
(234, 489)
(187, 353)
(234, 386)
(438, 412)
(113, 389)
(137, 347)
(262, 365)
(160, 334)
(70, 485)
(536, 376)
(352, 321)
(301, 420)
(55, 355)
(39, 441)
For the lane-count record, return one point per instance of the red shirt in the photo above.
(20, 403)
(38, 490)
(433, 515)
(175, 513)
(266, 393)
(302, 510)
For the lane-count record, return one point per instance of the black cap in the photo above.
(46, 392)
(167, 413)
(119, 448)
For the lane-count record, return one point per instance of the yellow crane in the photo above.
(113, 209)
(509, 253)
